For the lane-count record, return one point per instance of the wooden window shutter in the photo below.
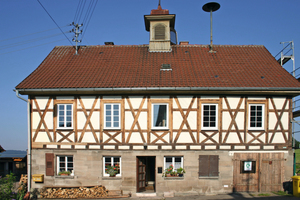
(214, 165)
(160, 32)
(49, 164)
(208, 165)
(203, 165)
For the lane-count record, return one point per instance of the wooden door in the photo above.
(268, 174)
(141, 174)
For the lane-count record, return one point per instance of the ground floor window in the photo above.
(172, 163)
(65, 163)
(208, 166)
(112, 166)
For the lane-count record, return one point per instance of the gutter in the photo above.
(29, 141)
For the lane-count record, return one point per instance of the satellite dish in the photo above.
(212, 6)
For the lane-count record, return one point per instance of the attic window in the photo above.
(166, 67)
(160, 32)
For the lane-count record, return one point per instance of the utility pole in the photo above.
(76, 30)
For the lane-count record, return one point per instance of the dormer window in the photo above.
(159, 32)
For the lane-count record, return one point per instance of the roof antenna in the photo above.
(211, 7)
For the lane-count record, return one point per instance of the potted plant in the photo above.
(111, 170)
(180, 171)
(169, 170)
(64, 173)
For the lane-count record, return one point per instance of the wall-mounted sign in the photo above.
(159, 170)
(248, 166)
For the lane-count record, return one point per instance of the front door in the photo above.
(141, 173)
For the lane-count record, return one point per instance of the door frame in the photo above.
(143, 158)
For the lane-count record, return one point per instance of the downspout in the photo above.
(29, 142)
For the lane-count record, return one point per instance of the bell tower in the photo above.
(161, 26)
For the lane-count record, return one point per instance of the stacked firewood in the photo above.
(74, 193)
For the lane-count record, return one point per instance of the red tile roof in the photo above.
(133, 66)
(1, 149)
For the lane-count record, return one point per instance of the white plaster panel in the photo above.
(203, 137)
(254, 147)
(88, 102)
(269, 147)
(239, 147)
(65, 98)
(226, 120)
(209, 97)
(285, 120)
(272, 120)
(278, 138)
(81, 120)
(143, 120)
(153, 137)
(51, 146)
(109, 147)
(240, 119)
(65, 146)
(136, 102)
(128, 120)
(42, 102)
(225, 147)
(210, 147)
(233, 138)
(174, 104)
(88, 137)
(49, 120)
(152, 147)
(185, 101)
(135, 137)
(124, 147)
(180, 147)
(177, 120)
(118, 137)
(95, 118)
(43, 137)
(278, 101)
(79, 146)
(166, 147)
(35, 120)
(195, 147)
(250, 137)
(192, 119)
(112, 97)
(256, 98)
(94, 147)
(185, 138)
(233, 102)
(138, 147)
(71, 137)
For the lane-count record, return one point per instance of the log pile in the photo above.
(74, 193)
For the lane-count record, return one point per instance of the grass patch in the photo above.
(282, 193)
(264, 194)
(297, 152)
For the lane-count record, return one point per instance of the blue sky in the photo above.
(28, 35)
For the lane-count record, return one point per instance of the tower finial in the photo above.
(159, 3)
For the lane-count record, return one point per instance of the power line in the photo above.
(77, 10)
(54, 22)
(89, 20)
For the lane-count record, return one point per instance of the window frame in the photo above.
(66, 163)
(112, 164)
(112, 122)
(173, 162)
(65, 115)
(202, 116)
(263, 116)
(167, 117)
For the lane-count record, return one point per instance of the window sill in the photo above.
(174, 178)
(207, 129)
(112, 178)
(111, 129)
(64, 129)
(160, 129)
(208, 177)
(64, 177)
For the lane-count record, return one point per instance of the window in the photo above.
(256, 116)
(114, 161)
(65, 115)
(209, 116)
(160, 32)
(65, 163)
(176, 161)
(208, 166)
(112, 116)
(159, 116)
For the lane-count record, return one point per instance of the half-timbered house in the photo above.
(222, 114)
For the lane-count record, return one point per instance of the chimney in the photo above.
(109, 43)
(184, 43)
